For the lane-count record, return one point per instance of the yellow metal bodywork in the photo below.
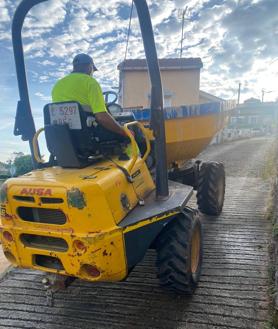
(94, 221)
(95, 200)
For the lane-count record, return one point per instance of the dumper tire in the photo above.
(179, 253)
(211, 188)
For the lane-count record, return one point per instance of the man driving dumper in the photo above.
(81, 87)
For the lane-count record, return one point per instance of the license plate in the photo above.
(66, 113)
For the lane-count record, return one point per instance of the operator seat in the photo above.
(74, 138)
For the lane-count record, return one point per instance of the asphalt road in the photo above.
(233, 291)
(244, 158)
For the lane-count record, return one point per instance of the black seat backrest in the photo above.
(73, 135)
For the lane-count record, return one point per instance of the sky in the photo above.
(237, 41)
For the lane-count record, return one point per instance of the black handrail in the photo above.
(24, 123)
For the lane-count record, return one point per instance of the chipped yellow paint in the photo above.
(94, 225)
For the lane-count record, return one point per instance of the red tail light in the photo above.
(8, 236)
(91, 270)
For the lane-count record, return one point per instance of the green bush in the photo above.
(23, 164)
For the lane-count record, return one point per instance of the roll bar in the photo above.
(24, 122)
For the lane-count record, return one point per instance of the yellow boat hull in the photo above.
(189, 129)
(187, 137)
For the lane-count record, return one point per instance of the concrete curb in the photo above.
(272, 215)
(275, 250)
(5, 272)
(5, 265)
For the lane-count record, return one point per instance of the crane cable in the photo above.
(126, 48)
(129, 29)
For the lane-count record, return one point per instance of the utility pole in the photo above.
(263, 91)
(238, 93)
(182, 29)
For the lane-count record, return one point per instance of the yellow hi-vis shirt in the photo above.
(82, 88)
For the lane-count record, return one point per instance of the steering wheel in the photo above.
(106, 95)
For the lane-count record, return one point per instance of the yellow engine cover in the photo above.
(65, 220)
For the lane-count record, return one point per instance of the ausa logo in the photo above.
(36, 191)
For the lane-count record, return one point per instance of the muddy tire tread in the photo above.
(207, 194)
(173, 253)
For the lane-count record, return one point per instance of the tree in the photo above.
(4, 170)
(23, 164)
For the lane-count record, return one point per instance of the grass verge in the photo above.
(270, 172)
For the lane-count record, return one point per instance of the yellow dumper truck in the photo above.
(92, 212)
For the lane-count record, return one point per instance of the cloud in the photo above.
(4, 12)
(214, 30)
(46, 15)
(237, 41)
(5, 125)
(251, 34)
(42, 96)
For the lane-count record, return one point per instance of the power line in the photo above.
(265, 92)
(129, 29)
(273, 61)
(182, 30)
(238, 93)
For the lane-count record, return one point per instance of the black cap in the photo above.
(84, 59)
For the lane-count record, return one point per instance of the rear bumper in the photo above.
(61, 251)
